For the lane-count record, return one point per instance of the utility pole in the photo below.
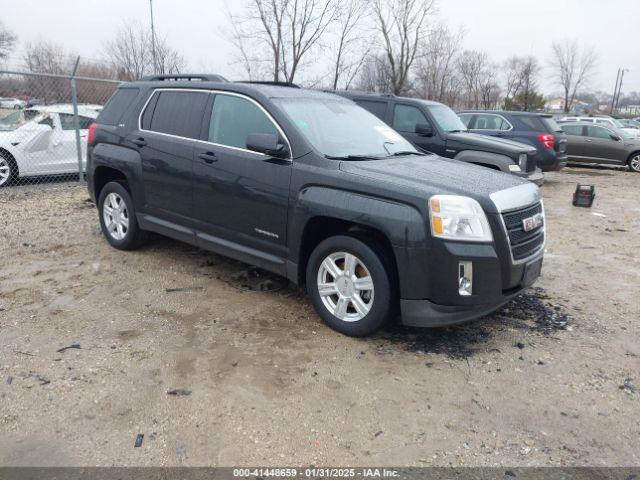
(622, 70)
(153, 40)
(615, 92)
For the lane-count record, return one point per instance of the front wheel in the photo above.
(118, 218)
(8, 171)
(349, 285)
(634, 162)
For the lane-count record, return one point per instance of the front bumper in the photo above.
(536, 176)
(427, 314)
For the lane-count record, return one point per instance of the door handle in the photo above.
(588, 140)
(139, 141)
(208, 157)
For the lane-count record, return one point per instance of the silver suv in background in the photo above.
(605, 122)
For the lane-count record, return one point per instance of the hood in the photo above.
(432, 174)
(499, 145)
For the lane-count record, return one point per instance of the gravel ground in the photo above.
(219, 364)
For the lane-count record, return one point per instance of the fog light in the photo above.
(465, 278)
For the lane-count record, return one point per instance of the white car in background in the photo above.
(41, 141)
(12, 103)
(605, 122)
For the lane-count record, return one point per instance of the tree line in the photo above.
(392, 46)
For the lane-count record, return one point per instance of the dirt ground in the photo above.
(550, 380)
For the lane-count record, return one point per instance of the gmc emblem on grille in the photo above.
(532, 223)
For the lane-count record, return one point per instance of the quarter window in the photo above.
(406, 117)
(234, 118)
(379, 109)
(178, 113)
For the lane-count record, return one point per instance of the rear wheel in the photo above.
(8, 170)
(634, 162)
(349, 285)
(118, 217)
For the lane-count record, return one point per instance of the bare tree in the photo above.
(521, 82)
(471, 66)
(401, 24)
(573, 67)
(48, 57)
(436, 77)
(130, 52)
(7, 41)
(287, 29)
(351, 51)
(375, 75)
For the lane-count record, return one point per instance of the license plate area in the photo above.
(531, 272)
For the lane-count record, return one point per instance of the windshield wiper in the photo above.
(407, 152)
(353, 157)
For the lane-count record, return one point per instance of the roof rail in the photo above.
(276, 84)
(189, 77)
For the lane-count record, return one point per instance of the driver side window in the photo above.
(598, 132)
(235, 118)
(406, 117)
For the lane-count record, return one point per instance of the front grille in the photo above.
(523, 244)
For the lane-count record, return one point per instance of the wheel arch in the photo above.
(104, 174)
(492, 160)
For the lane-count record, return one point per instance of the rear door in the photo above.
(169, 129)
(241, 197)
(576, 141)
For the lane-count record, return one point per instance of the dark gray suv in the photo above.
(312, 187)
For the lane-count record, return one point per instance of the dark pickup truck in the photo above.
(314, 188)
(435, 128)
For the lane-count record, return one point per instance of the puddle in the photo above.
(530, 310)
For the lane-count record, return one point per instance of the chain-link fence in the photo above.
(44, 122)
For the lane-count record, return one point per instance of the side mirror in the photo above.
(267, 143)
(424, 130)
(616, 138)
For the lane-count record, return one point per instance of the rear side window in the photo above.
(178, 113)
(406, 117)
(379, 109)
(533, 122)
(572, 130)
(491, 122)
(234, 119)
(117, 105)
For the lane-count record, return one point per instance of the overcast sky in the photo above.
(500, 27)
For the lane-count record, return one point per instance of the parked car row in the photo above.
(41, 141)
(313, 187)
(12, 103)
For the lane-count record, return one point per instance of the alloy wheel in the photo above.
(5, 171)
(345, 286)
(116, 216)
(634, 163)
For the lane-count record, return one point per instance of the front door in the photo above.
(241, 197)
(170, 126)
(406, 118)
(601, 145)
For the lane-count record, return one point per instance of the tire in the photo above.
(634, 162)
(351, 308)
(8, 170)
(118, 219)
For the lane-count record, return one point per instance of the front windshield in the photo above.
(446, 118)
(338, 128)
(617, 123)
(624, 134)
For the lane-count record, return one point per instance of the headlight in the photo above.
(458, 218)
(522, 161)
